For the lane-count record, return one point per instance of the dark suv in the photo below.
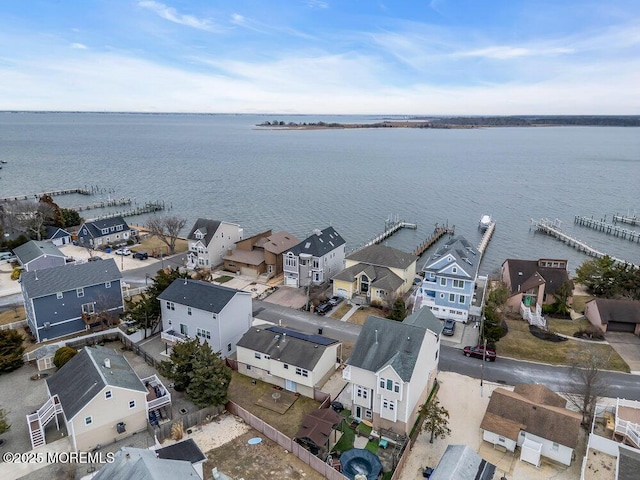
(323, 308)
(478, 351)
(449, 327)
(140, 255)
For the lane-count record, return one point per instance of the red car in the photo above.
(478, 351)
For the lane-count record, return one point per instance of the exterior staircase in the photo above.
(534, 317)
(41, 418)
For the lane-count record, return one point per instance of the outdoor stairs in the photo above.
(534, 317)
(40, 419)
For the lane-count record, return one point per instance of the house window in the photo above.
(461, 299)
(248, 367)
(171, 306)
(458, 284)
(188, 310)
(302, 372)
(107, 394)
(257, 355)
(502, 439)
(436, 357)
(443, 281)
(556, 446)
(228, 347)
(132, 404)
(88, 420)
(452, 297)
(184, 329)
(59, 295)
(88, 308)
(368, 415)
(396, 387)
(442, 295)
(80, 292)
(362, 392)
(388, 404)
(454, 270)
(215, 316)
(267, 357)
(286, 366)
(203, 333)
(119, 227)
(389, 384)
(382, 383)
(107, 284)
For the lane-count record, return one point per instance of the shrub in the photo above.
(591, 332)
(63, 355)
(15, 274)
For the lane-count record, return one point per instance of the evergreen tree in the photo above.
(63, 355)
(11, 350)
(398, 311)
(436, 419)
(4, 423)
(210, 378)
(180, 364)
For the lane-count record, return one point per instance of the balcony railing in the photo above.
(158, 395)
(171, 336)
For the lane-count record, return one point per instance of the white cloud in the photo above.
(317, 4)
(509, 52)
(78, 46)
(171, 14)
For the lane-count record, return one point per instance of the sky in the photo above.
(405, 57)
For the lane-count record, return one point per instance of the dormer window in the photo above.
(199, 235)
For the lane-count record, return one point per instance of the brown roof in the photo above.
(249, 257)
(525, 274)
(534, 408)
(626, 311)
(280, 242)
(383, 256)
(318, 425)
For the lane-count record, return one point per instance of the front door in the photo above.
(290, 386)
(358, 413)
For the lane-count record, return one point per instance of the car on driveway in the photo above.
(449, 327)
(323, 308)
(335, 300)
(478, 351)
(140, 255)
(123, 251)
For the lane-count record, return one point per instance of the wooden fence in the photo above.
(14, 325)
(285, 442)
(163, 431)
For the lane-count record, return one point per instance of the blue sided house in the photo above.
(449, 280)
(62, 300)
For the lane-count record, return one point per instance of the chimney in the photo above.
(107, 363)
(317, 232)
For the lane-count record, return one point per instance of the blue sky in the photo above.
(322, 56)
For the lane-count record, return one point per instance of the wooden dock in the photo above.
(554, 229)
(54, 193)
(608, 228)
(486, 237)
(438, 232)
(628, 219)
(149, 207)
(391, 227)
(112, 202)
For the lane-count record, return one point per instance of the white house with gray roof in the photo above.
(109, 231)
(210, 240)
(449, 282)
(296, 361)
(215, 314)
(392, 369)
(99, 398)
(55, 299)
(315, 259)
(38, 255)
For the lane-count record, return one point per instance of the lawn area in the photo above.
(153, 245)
(363, 312)
(242, 392)
(522, 345)
(567, 327)
(12, 315)
(223, 279)
(341, 311)
(579, 302)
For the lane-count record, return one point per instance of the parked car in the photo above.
(140, 255)
(123, 251)
(323, 308)
(93, 259)
(8, 256)
(449, 327)
(478, 351)
(335, 300)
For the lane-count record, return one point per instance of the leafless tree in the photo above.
(166, 229)
(587, 386)
(27, 217)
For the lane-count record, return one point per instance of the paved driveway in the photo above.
(628, 347)
(288, 297)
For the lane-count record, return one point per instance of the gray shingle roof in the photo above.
(85, 375)
(611, 310)
(526, 274)
(459, 462)
(35, 249)
(186, 450)
(425, 318)
(208, 227)
(95, 227)
(319, 244)
(629, 463)
(381, 277)
(198, 294)
(385, 342)
(41, 283)
(292, 348)
(464, 254)
(383, 256)
(55, 232)
(142, 464)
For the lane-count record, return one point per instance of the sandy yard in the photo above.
(221, 430)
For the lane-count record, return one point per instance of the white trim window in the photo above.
(458, 284)
(107, 394)
(107, 284)
(202, 333)
(362, 392)
(88, 308)
(88, 420)
(132, 404)
(462, 299)
(170, 305)
(443, 281)
(388, 404)
(80, 292)
(302, 372)
(59, 295)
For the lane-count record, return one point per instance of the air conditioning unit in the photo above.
(47, 324)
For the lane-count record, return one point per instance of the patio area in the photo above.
(278, 401)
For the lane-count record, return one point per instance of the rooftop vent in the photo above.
(107, 363)
(317, 232)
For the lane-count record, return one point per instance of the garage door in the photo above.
(621, 327)
(341, 292)
(291, 281)
(248, 271)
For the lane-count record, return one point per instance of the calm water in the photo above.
(222, 167)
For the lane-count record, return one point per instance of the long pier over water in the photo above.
(53, 193)
(438, 232)
(609, 229)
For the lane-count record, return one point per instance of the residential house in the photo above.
(59, 301)
(110, 231)
(535, 419)
(209, 241)
(450, 280)
(58, 236)
(376, 274)
(315, 259)
(212, 313)
(459, 462)
(296, 361)
(532, 282)
(38, 255)
(143, 464)
(611, 315)
(318, 431)
(392, 369)
(260, 254)
(185, 451)
(99, 398)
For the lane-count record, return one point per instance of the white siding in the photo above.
(559, 453)
(496, 439)
(224, 239)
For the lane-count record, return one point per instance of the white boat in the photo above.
(485, 221)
